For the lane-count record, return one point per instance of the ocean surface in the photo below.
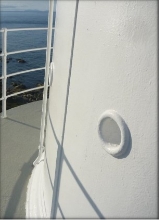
(21, 40)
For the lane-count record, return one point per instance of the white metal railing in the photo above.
(48, 73)
(4, 55)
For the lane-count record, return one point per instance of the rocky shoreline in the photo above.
(17, 86)
(20, 99)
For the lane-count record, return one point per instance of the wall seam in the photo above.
(59, 160)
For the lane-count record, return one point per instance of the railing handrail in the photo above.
(24, 51)
(24, 91)
(26, 71)
(29, 50)
(24, 29)
(21, 92)
(4, 76)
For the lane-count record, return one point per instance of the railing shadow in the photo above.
(84, 191)
(58, 205)
(22, 123)
(18, 188)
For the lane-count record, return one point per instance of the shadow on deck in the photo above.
(19, 134)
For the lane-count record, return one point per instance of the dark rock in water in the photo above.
(21, 86)
(17, 83)
(14, 84)
(21, 61)
(21, 98)
(0, 50)
(16, 87)
(39, 84)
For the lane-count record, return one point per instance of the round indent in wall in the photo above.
(113, 132)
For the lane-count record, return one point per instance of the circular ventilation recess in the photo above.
(114, 133)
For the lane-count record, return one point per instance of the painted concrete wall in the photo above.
(114, 66)
(58, 91)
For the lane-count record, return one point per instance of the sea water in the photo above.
(21, 40)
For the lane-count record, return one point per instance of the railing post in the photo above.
(4, 72)
(47, 69)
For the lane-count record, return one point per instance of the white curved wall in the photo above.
(62, 49)
(114, 67)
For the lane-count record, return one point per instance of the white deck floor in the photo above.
(19, 134)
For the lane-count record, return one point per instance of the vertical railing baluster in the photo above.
(4, 73)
